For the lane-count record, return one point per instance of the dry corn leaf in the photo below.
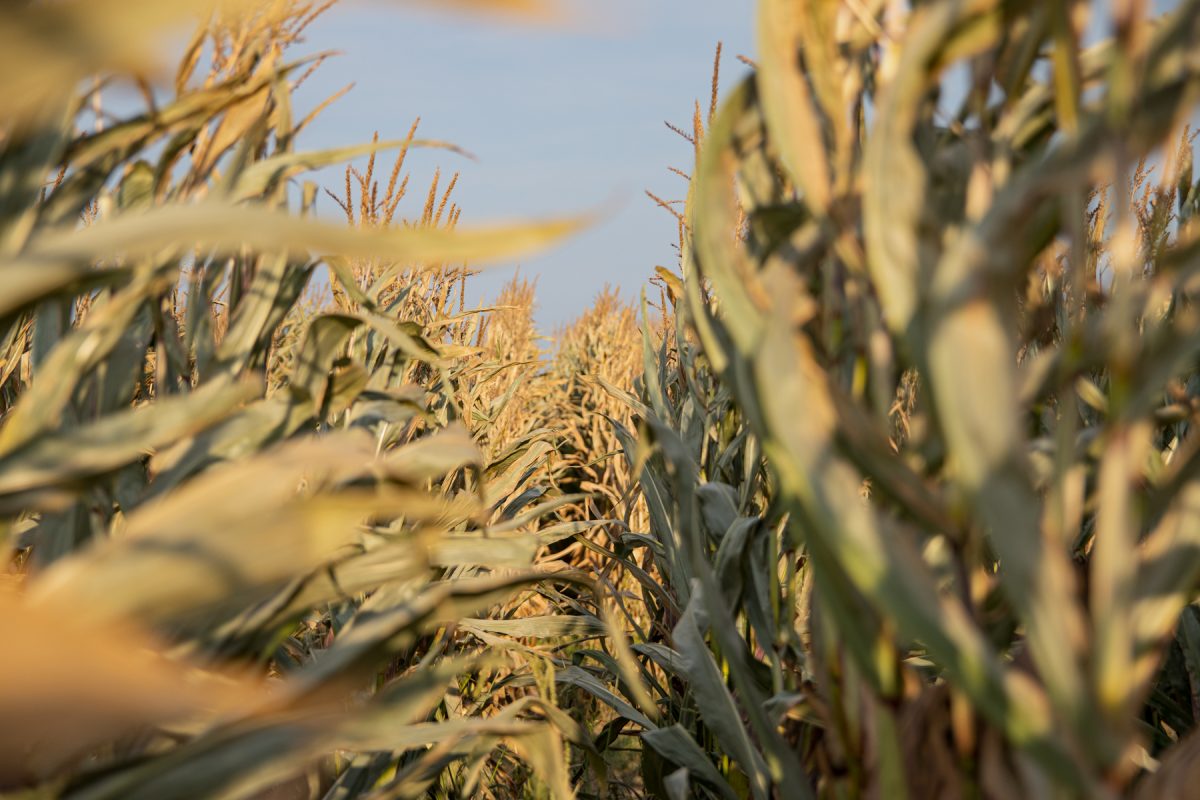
(68, 685)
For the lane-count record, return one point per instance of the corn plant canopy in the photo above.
(890, 492)
(208, 477)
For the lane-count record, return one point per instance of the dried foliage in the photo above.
(257, 544)
(918, 456)
(890, 494)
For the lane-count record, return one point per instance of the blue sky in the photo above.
(562, 120)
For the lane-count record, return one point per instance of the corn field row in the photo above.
(888, 489)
